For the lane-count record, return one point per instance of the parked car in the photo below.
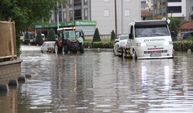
(120, 44)
(28, 38)
(115, 47)
(48, 46)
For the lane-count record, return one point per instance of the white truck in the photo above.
(149, 39)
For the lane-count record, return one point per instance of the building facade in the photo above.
(144, 5)
(180, 8)
(159, 8)
(101, 11)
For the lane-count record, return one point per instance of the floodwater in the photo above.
(99, 82)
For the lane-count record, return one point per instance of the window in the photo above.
(70, 3)
(60, 16)
(143, 2)
(78, 15)
(85, 2)
(86, 13)
(151, 31)
(106, 13)
(64, 15)
(174, 0)
(71, 15)
(127, 13)
(174, 9)
(77, 2)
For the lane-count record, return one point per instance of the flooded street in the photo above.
(99, 82)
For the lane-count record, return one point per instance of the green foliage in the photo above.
(102, 45)
(39, 38)
(183, 45)
(27, 12)
(27, 35)
(174, 24)
(51, 35)
(88, 43)
(96, 37)
(18, 45)
(190, 38)
(99, 44)
(113, 36)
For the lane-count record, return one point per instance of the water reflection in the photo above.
(8, 103)
(100, 82)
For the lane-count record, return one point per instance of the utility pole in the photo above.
(57, 15)
(122, 17)
(115, 3)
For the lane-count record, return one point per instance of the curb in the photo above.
(10, 62)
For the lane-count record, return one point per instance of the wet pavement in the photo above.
(99, 82)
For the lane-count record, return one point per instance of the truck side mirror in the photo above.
(116, 40)
(130, 36)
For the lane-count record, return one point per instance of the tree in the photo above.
(51, 35)
(39, 38)
(113, 36)
(27, 12)
(174, 24)
(96, 37)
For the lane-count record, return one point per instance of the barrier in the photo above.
(7, 40)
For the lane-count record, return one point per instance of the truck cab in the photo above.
(150, 39)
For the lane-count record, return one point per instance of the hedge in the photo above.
(183, 45)
(100, 44)
(178, 45)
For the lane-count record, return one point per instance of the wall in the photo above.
(9, 72)
(104, 13)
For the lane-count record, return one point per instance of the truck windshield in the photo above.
(151, 31)
(71, 35)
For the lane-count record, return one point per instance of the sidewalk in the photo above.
(30, 48)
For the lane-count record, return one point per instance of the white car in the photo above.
(120, 44)
(48, 46)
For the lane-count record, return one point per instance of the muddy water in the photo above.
(99, 82)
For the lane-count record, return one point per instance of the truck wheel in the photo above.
(75, 51)
(125, 53)
(81, 49)
(134, 55)
(122, 53)
(66, 49)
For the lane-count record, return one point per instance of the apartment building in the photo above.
(108, 14)
(180, 8)
(159, 8)
(143, 4)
